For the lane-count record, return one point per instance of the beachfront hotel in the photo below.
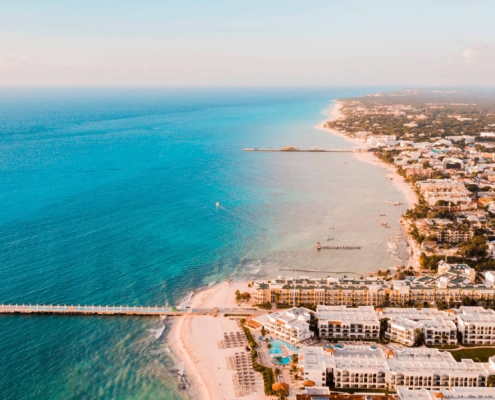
(342, 322)
(476, 325)
(364, 367)
(454, 282)
(291, 324)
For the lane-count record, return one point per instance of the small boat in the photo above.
(328, 239)
(330, 227)
(218, 204)
(382, 215)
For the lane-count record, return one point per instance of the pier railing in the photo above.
(112, 310)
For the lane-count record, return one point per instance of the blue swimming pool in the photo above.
(276, 350)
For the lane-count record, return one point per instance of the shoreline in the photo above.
(193, 340)
(411, 198)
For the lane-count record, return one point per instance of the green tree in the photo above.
(418, 337)
(476, 247)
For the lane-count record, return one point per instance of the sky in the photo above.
(247, 43)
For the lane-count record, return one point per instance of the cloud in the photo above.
(479, 54)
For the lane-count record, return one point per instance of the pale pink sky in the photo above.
(282, 43)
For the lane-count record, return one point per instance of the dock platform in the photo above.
(320, 246)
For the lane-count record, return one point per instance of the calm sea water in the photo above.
(108, 197)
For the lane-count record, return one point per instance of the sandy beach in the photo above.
(194, 340)
(411, 198)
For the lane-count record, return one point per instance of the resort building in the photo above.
(455, 393)
(417, 368)
(345, 367)
(461, 270)
(449, 287)
(409, 325)
(312, 360)
(343, 322)
(363, 367)
(318, 393)
(291, 324)
(476, 325)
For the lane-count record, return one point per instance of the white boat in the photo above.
(392, 246)
(218, 204)
(328, 239)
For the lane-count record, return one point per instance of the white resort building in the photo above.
(405, 324)
(455, 393)
(476, 325)
(363, 367)
(343, 322)
(291, 324)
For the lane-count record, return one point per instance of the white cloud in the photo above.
(479, 54)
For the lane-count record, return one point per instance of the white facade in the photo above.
(313, 362)
(363, 367)
(343, 322)
(436, 326)
(291, 324)
(455, 393)
(476, 325)
(490, 277)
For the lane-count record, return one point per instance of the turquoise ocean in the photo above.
(108, 197)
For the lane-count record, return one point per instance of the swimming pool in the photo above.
(276, 350)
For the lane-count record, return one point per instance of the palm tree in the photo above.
(277, 372)
(295, 358)
(418, 337)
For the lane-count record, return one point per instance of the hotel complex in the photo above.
(364, 367)
(454, 282)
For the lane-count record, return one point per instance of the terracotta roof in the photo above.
(308, 383)
(389, 352)
(438, 395)
(280, 386)
(253, 323)
(330, 350)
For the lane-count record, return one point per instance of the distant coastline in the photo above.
(410, 196)
(194, 340)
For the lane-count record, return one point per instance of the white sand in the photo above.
(194, 339)
(335, 112)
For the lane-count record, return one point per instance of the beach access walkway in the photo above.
(120, 310)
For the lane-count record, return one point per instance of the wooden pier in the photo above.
(320, 246)
(117, 310)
